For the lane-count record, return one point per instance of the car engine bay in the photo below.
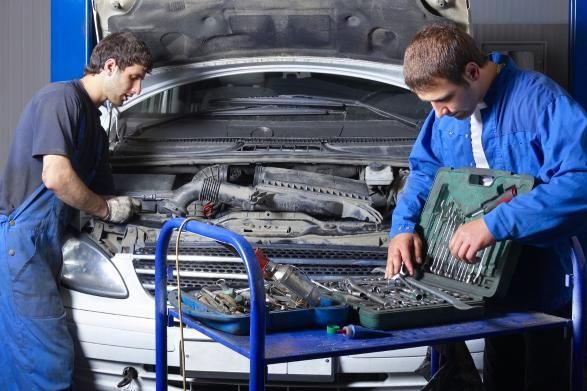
(267, 204)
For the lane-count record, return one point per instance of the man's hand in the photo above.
(468, 239)
(120, 209)
(404, 248)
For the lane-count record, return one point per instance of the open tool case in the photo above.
(457, 197)
(330, 310)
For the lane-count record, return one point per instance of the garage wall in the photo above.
(25, 45)
(526, 23)
(519, 11)
(24, 60)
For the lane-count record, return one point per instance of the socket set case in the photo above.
(457, 197)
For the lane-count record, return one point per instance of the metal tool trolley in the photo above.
(280, 347)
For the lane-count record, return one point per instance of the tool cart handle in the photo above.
(257, 328)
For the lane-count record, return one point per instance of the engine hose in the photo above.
(191, 191)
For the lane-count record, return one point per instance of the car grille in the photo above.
(205, 264)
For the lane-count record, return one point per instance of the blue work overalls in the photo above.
(37, 352)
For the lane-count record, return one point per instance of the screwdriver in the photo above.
(353, 331)
(490, 204)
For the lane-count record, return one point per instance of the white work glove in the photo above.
(122, 208)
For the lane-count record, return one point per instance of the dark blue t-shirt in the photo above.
(61, 120)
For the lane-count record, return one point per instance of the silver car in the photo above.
(286, 122)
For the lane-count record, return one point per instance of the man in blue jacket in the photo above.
(488, 113)
(58, 160)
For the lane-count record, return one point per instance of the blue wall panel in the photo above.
(578, 50)
(71, 38)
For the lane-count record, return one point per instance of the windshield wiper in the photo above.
(318, 101)
(259, 108)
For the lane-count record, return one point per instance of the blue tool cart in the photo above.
(280, 347)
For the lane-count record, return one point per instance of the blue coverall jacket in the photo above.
(530, 126)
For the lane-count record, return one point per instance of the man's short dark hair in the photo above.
(125, 48)
(440, 51)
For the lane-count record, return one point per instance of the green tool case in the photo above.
(457, 196)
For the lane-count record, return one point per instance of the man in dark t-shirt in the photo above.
(58, 160)
(51, 124)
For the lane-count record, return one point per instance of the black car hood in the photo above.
(192, 31)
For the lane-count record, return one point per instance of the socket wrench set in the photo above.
(445, 289)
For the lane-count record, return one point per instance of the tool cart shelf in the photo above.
(279, 347)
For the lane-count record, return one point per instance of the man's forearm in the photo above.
(59, 177)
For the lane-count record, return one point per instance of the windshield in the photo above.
(281, 96)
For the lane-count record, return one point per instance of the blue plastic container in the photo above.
(330, 311)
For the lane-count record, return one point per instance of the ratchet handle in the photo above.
(492, 203)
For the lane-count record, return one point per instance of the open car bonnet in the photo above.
(199, 30)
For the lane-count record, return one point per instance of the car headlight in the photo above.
(88, 269)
